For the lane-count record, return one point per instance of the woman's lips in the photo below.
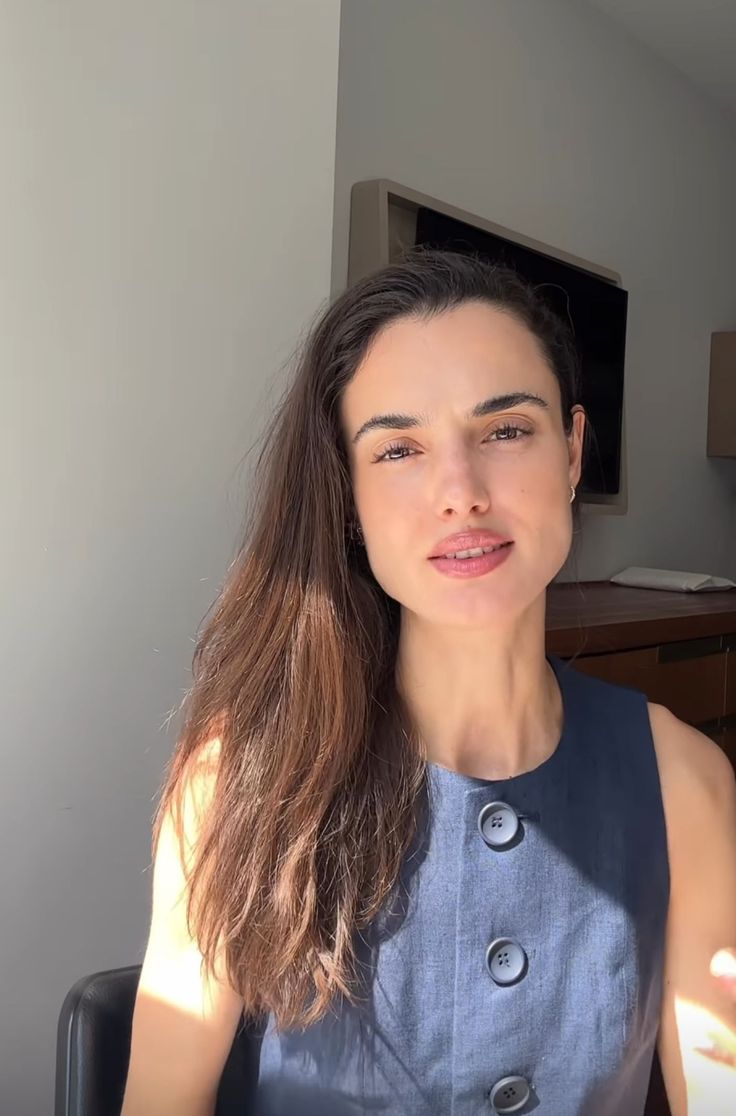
(473, 567)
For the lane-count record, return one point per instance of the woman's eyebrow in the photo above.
(485, 407)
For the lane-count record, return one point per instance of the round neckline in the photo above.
(553, 758)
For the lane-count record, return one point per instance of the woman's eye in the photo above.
(510, 429)
(510, 432)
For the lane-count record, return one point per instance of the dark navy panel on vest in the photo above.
(518, 967)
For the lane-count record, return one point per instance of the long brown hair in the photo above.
(318, 774)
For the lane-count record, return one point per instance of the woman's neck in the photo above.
(484, 704)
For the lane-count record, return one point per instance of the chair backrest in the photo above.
(93, 1052)
(93, 1049)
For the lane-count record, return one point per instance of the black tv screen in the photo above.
(596, 310)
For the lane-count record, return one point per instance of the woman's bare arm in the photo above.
(183, 1025)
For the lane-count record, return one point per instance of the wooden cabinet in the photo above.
(693, 688)
(722, 395)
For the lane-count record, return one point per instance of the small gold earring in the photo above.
(572, 493)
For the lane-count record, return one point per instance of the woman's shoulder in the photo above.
(689, 761)
(698, 791)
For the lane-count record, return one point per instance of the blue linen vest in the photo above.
(510, 975)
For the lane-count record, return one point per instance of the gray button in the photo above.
(506, 961)
(498, 824)
(509, 1094)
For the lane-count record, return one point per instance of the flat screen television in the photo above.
(595, 308)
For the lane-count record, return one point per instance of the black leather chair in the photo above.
(93, 1050)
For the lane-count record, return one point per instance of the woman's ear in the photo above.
(576, 442)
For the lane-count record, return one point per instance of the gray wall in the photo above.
(166, 185)
(546, 118)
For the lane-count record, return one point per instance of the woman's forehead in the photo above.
(471, 327)
(447, 360)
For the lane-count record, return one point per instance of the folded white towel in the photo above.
(678, 580)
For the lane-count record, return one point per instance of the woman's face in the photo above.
(508, 470)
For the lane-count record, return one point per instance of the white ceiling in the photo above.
(696, 36)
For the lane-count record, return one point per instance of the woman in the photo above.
(446, 872)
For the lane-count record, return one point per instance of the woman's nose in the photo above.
(461, 485)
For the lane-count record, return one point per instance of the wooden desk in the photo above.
(679, 648)
(676, 647)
